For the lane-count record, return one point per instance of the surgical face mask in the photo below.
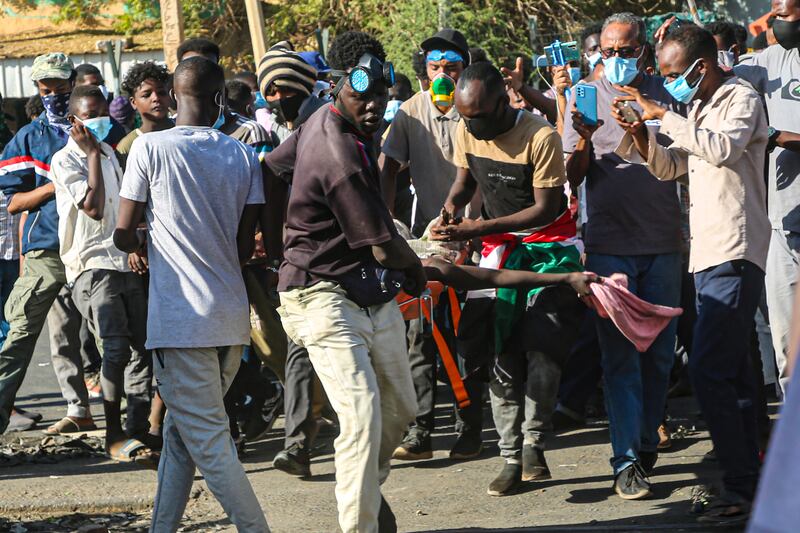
(726, 58)
(593, 59)
(574, 75)
(56, 105)
(287, 109)
(99, 126)
(680, 89)
(391, 110)
(787, 33)
(487, 128)
(442, 91)
(104, 90)
(621, 71)
(259, 102)
(221, 116)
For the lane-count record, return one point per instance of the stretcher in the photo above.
(423, 306)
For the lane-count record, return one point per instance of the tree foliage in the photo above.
(497, 26)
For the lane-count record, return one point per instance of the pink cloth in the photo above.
(639, 321)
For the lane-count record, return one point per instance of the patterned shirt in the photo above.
(9, 231)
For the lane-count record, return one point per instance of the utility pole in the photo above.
(258, 37)
(172, 29)
(444, 13)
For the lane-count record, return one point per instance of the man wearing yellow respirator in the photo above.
(421, 137)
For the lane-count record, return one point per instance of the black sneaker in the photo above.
(632, 483)
(534, 466)
(387, 523)
(507, 481)
(294, 461)
(466, 447)
(413, 448)
(647, 460)
(724, 511)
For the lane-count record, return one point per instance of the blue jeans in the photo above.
(9, 272)
(636, 383)
(722, 371)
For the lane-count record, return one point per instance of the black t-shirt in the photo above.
(336, 212)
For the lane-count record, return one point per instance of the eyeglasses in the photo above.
(625, 53)
(448, 55)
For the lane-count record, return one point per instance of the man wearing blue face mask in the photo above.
(633, 228)
(25, 180)
(722, 146)
(87, 178)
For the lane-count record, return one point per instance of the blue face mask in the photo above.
(260, 102)
(621, 71)
(391, 110)
(99, 126)
(221, 117)
(574, 75)
(593, 60)
(680, 89)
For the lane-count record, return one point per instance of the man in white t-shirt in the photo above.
(201, 230)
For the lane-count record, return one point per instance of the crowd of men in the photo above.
(215, 252)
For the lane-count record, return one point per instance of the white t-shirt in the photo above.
(196, 182)
(85, 243)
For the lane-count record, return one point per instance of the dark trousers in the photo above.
(582, 371)
(722, 372)
(422, 357)
(301, 426)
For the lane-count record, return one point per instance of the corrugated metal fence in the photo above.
(15, 74)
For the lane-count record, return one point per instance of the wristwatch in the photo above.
(773, 139)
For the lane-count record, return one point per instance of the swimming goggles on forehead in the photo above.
(450, 56)
(365, 74)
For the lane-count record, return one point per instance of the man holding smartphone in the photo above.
(634, 228)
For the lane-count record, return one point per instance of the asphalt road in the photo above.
(433, 495)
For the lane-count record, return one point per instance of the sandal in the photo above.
(70, 425)
(722, 511)
(134, 451)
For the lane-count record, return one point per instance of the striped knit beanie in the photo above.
(284, 67)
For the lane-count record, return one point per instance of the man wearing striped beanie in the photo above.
(286, 81)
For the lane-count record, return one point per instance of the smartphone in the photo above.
(629, 114)
(560, 54)
(586, 102)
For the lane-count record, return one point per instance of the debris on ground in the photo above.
(50, 449)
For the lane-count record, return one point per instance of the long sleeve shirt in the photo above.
(722, 147)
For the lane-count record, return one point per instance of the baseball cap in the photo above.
(316, 60)
(448, 39)
(54, 65)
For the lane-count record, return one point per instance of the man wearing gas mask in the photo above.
(421, 137)
(345, 262)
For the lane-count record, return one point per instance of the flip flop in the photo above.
(36, 417)
(134, 451)
(68, 425)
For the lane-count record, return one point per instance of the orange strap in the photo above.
(455, 308)
(449, 363)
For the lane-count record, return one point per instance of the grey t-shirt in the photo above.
(423, 137)
(196, 182)
(629, 211)
(775, 74)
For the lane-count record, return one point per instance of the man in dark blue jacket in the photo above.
(25, 180)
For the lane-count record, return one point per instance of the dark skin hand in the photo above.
(515, 79)
(473, 102)
(615, 37)
(474, 278)
(29, 200)
(87, 108)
